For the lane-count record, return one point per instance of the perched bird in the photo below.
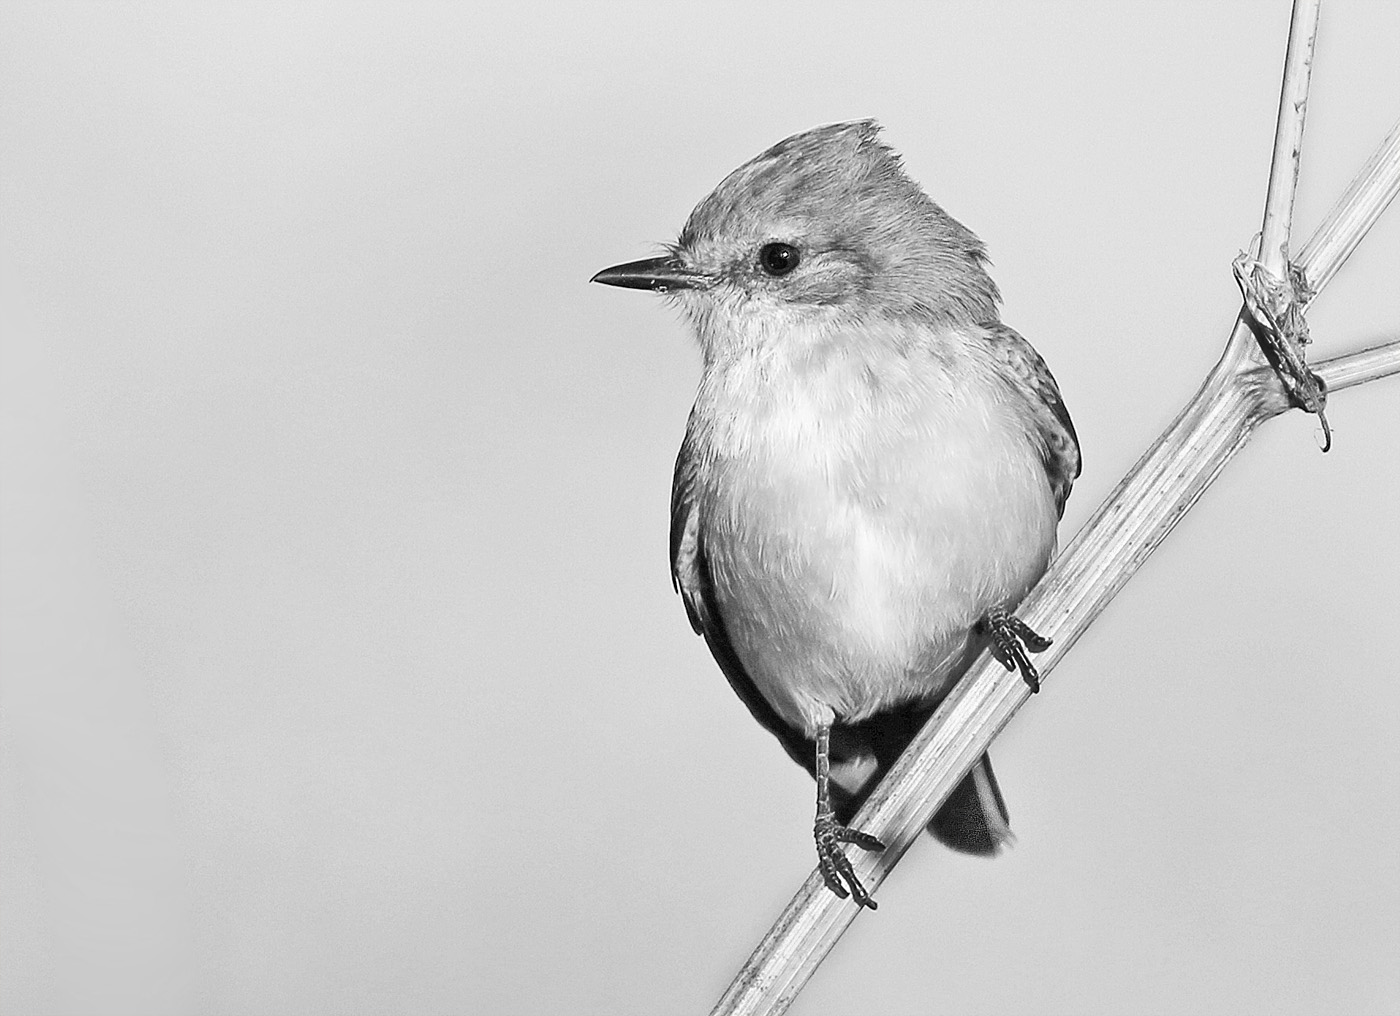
(872, 474)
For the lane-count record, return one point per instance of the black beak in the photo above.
(656, 274)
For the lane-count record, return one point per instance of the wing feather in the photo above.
(1028, 377)
(690, 574)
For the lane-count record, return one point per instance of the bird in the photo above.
(873, 472)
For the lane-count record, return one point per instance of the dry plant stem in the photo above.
(1288, 136)
(1240, 393)
(1360, 205)
(1361, 366)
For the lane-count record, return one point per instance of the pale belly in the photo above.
(850, 573)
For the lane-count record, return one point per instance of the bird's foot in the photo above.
(834, 863)
(1012, 641)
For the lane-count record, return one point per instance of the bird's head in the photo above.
(823, 229)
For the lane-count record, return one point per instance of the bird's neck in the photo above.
(827, 390)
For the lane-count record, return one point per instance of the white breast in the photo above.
(860, 516)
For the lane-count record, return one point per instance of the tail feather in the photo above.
(973, 819)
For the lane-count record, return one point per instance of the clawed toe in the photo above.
(1034, 643)
(863, 840)
(835, 865)
(1012, 640)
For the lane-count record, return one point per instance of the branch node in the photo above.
(1274, 308)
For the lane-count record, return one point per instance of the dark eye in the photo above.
(778, 258)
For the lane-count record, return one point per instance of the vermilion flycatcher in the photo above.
(873, 472)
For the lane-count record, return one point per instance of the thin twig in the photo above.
(1288, 136)
(1364, 365)
(1239, 394)
(1355, 211)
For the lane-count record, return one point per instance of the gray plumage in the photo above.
(874, 466)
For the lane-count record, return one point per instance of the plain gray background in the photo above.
(341, 668)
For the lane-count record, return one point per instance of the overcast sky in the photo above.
(342, 672)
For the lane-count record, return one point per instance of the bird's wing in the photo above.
(690, 574)
(1030, 379)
